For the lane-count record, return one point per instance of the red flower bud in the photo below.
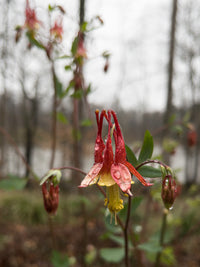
(50, 197)
(169, 191)
(192, 138)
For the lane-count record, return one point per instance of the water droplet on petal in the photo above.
(117, 174)
(171, 208)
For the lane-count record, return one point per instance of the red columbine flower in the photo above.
(121, 169)
(57, 30)
(110, 172)
(169, 191)
(103, 157)
(31, 22)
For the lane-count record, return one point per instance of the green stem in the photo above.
(126, 232)
(162, 234)
(54, 119)
(52, 233)
(152, 161)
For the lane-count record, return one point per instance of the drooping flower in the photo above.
(112, 172)
(121, 169)
(100, 173)
(50, 197)
(170, 190)
(50, 191)
(57, 30)
(31, 22)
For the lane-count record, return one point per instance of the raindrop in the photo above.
(96, 148)
(117, 174)
(171, 208)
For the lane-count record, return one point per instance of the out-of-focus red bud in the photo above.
(100, 19)
(192, 138)
(61, 9)
(106, 66)
(50, 197)
(18, 33)
(49, 49)
(57, 30)
(81, 51)
(170, 191)
(31, 22)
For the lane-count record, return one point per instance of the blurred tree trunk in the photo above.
(30, 116)
(4, 61)
(78, 110)
(170, 70)
(189, 54)
(192, 153)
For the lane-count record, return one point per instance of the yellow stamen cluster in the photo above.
(113, 202)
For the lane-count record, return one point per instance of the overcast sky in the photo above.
(136, 34)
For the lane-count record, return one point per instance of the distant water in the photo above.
(41, 159)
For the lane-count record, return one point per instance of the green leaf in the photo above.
(178, 129)
(76, 135)
(187, 117)
(59, 260)
(151, 247)
(134, 205)
(117, 239)
(84, 26)
(147, 147)
(74, 46)
(62, 118)
(64, 57)
(131, 156)
(33, 41)
(86, 123)
(168, 257)
(136, 201)
(59, 88)
(68, 67)
(150, 172)
(13, 183)
(172, 119)
(70, 86)
(51, 8)
(88, 90)
(114, 255)
(77, 94)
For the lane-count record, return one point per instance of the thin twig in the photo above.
(70, 168)
(12, 142)
(152, 161)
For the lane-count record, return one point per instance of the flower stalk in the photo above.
(162, 235)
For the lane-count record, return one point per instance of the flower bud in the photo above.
(50, 197)
(169, 191)
(192, 138)
(50, 190)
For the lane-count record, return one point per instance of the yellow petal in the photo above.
(106, 180)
